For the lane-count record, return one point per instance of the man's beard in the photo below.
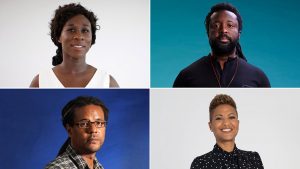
(220, 49)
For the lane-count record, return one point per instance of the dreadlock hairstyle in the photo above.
(231, 8)
(69, 110)
(61, 16)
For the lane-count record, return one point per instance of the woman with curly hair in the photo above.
(73, 31)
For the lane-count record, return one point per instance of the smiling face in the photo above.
(224, 123)
(76, 37)
(223, 32)
(87, 140)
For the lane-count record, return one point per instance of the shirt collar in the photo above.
(79, 160)
(220, 152)
(228, 60)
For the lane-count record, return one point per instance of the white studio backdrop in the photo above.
(269, 124)
(122, 46)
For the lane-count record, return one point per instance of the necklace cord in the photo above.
(219, 77)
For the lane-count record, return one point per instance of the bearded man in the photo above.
(226, 65)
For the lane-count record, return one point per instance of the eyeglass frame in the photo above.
(89, 124)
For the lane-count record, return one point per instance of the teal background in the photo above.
(269, 39)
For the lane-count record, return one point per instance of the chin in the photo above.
(78, 55)
(93, 149)
(227, 139)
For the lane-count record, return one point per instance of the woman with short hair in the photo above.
(224, 124)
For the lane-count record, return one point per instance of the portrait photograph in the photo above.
(119, 48)
(36, 124)
(264, 125)
(264, 38)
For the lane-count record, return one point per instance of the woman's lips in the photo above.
(78, 46)
(226, 130)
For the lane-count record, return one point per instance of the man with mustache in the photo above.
(85, 120)
(226, 65)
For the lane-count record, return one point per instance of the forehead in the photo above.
(223, 16)
(224, 109)
(89, 112)
(78, 20)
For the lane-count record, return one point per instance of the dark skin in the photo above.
(76, 39)
(224, 22)
(87, 141)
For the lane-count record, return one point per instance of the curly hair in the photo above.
(61, 16)
(231, 8)
(219, 100)
(70, 108)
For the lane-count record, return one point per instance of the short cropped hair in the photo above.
(218, 100)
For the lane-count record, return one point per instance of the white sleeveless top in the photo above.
(48, 79)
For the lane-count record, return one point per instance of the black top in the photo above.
(220, 159)
(236, 73)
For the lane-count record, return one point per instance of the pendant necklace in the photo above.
(217, 75)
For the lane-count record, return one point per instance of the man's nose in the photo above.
(92, 128)
(223, 28)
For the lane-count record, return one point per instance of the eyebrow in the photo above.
(218, 21)
(218, 115)
(99, 119)
(228, 114)
(71, 24)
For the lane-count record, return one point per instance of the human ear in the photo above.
(69, 130)
(209, 124)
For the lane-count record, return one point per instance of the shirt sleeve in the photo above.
(264, 80)
(53, 166)
(258, 162)
(179, 81)
(196, 164)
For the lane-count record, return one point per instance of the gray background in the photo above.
(268, 124)
(122, 46)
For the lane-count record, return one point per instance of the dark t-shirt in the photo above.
(220, 159)
(236, 73)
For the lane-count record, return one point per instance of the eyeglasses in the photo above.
(88, 124)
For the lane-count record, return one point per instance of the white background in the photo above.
(122, 46)
(269, 124)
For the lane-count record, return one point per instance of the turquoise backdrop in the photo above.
(269, 40)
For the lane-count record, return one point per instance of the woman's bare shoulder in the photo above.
(35, 82)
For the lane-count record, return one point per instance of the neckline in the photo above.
(228, 60)
(217, 74)
(87, 85)
(217, 149)
(78, 158)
